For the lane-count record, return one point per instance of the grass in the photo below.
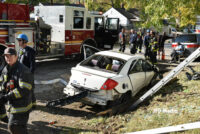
(176, 103)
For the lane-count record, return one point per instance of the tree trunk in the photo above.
(112, 3)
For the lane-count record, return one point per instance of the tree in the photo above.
(181, 13)
(103, 5)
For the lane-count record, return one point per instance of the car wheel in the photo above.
(126, 97)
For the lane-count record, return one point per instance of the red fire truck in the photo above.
(57, 30)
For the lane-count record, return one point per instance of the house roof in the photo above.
(125, 13)
(134, 11)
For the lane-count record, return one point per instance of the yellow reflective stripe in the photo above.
(155, 42)
(1, 79)
(5, 77)
(16, 93)
(25, 84)
(34, 103)
(21, 109)
(12, 20)
(3, 115)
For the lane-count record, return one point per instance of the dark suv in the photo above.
(190, 41)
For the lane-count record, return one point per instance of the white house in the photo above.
(126, 19)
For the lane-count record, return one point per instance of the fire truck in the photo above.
(57, 30)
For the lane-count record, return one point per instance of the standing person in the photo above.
(132, 41)
(146, 44)
(122, 40)
(16, 83)
(27, 57)
(139, 40)
(162, 39)
(154, 48)
(26, 53)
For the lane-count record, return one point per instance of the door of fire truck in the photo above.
(111, 32)
(106, 31)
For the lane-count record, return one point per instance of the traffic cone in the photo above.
(163, 56)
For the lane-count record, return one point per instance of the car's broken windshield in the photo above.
(104, 63)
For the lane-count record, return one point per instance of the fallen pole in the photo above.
(167, 78)
(170, 129)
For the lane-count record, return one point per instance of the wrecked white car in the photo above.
(110, 76)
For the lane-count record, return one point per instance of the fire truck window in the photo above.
(61, 18)
(78, 22)
(112, 24)
(88, 23)
(78, 13)
(98, 23)
(78, 19)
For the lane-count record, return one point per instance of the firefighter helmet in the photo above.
(23, 37)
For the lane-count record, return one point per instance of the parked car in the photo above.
(110, 76)
(190, 41)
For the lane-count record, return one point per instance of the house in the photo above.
(127, 19)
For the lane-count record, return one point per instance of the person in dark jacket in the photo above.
(154, 48)
(162, 39)
(26, 53)
(132, 42)
(16, 84)
(27, 57)
(147, 44)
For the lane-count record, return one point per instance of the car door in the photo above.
(149, 72)
(89, 50)
(137, 75)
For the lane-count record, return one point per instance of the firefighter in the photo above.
(27, 57)
(16, 83)
(139, 40)
(154, 48)
(26, 53)
(122, 40)
(147, 45)
(132, 42)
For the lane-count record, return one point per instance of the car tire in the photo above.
(124, 98)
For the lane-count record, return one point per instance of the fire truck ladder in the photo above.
(166, 79)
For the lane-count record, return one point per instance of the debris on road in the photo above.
(52, 122)
(51, 81)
